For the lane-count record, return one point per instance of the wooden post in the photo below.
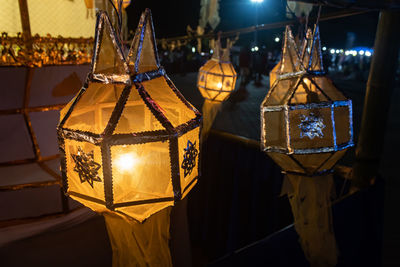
(377, 99)
(26, 26)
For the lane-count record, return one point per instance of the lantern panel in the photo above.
(275, 129)
(93, 110)
(172, 107)
(286, 162)
(279, 93)
(312, 162)
(84, 169)
(143, 211)
(204, 93)
(14, 131)
(222, 96)
(65, 109)
(209, 65)
(144, 169)
(290, 57)
(310, 128)
(227, 69)
(136, 116)
(274, 73)
(342, 125)
(308, 92)
(332, 160)
(329, 88)
(189, 156)
(108, 61)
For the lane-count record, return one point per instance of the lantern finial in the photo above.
(108, 58)
(143, 54)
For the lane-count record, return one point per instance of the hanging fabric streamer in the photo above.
(209, 13)
(216, 80)
(298, 9)
(210, 110)
(140, 244)
(310, 199)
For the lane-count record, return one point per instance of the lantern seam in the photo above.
(155, 110)
(175, 168)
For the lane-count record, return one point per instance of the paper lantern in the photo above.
(217, 77)
(306, 121)
(129, 140)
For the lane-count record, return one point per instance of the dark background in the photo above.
(172, 17)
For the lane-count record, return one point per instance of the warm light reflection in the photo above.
(126, 162)
(219, 85)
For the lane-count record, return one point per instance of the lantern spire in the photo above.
(291, 62)
(108, 58)
(143, 54)
(311, 54)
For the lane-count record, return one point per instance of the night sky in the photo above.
(172, 17)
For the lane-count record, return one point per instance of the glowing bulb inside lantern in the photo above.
(126, 162)
(219, 85)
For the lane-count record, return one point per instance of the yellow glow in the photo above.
(219, 85)
(126, 162)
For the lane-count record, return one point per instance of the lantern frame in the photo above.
(131, 79)
(307, 65)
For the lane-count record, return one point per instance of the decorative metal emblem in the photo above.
(86, 167)
(311, 126)
(189, 158)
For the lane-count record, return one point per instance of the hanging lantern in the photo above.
(306, 129)
(306, 121)
(129, 140)
(217, 77)
(216, 80)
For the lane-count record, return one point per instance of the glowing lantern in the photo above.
(216, 80)
(217, 77)
(129, 140)
(306, 121)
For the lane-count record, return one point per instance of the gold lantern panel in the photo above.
(306, 121)
(129, 140)
(217, 77)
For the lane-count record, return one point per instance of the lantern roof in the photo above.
(307, 60)
(111, 67)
